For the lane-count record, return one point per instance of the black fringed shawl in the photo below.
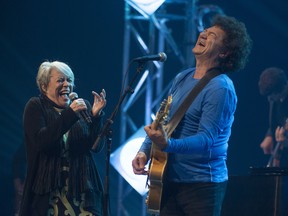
(44, 129)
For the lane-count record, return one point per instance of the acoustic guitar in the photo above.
(158, 161)
(275, 158)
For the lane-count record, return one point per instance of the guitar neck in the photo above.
(155, 124)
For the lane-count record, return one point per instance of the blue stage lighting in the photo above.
(121, 160)
(145, 7)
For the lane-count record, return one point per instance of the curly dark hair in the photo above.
(237, 42)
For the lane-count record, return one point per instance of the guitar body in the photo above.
(157, 165)
(156, 176)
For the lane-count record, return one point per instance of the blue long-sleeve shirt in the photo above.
(198, 146)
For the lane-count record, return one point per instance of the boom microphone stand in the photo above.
(107, 132)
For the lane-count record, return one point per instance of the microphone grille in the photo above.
(73, 96)
(163, 57)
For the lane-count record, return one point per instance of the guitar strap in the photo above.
(176, 118)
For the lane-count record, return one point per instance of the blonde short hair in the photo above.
(44, 72)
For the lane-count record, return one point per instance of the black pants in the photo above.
(192, 199)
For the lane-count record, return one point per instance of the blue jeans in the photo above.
(192, 199)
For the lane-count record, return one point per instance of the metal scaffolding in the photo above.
(149, 35)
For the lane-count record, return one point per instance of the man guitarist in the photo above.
(196, 172)
(273, 84)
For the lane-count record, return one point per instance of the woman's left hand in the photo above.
(99, 102)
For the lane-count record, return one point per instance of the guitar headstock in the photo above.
(163, 110)
(167, 107)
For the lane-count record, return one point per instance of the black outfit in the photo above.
(278, 114)
(207, 198)
(59, 156)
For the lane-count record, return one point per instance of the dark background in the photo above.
(88, 35)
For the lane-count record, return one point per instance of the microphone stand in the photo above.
(107, 132)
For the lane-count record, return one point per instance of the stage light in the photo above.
(121, 160)
(206, 14)
(145, 7)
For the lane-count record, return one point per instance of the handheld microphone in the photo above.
(84, 114)
(159, 57)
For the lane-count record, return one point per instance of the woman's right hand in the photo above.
(78, 105)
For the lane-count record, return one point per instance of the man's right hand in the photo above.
(138, 164)
(267, 145)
